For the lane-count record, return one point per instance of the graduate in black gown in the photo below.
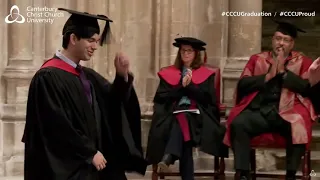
(186, 85)
(79, 126)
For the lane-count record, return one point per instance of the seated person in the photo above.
(186, 111)
(271, 99)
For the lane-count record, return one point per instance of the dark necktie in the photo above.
(85, 83)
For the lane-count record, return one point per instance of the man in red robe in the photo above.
(271, 98)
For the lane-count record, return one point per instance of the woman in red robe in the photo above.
(186, 111)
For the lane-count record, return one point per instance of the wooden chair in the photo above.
(219, 166)
(275, 141)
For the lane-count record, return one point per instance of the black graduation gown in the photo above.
(207, 123)
(63, 132)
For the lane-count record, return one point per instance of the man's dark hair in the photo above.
(66, 40)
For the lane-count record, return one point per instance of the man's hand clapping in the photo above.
(277, 67)
(272, 73)
(281, 61)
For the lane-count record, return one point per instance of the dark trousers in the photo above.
(181, 150)
(249, 124)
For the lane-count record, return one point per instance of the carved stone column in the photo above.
(16, 75)
(3, 58)
(161, 51)
(243, 41)
(209, 25)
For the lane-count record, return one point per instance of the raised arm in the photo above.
(121, 87)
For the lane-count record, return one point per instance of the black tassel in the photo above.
(106, 34)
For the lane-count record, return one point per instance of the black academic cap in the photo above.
(288, 28)
(86, 25)
(195, 43)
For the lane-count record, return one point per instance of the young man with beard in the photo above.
(78, 125)
(271, 98)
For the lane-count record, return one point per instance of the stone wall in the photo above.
(309, 42)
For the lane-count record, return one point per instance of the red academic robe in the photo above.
(172, 76)
(293, 107)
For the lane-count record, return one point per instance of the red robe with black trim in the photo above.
(64, 131)
(294, 107)
(204, 126)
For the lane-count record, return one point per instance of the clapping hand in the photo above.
(281, 61)
(121, 63)
(314, 72)
(187, 78)
(273, 72)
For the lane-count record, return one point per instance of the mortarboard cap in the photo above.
(85, 25)
(288, 28)
(195, 43)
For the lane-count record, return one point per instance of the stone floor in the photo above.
(148, 177)
(229, 176)
(145, 178)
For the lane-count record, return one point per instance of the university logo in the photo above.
(14, 16)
